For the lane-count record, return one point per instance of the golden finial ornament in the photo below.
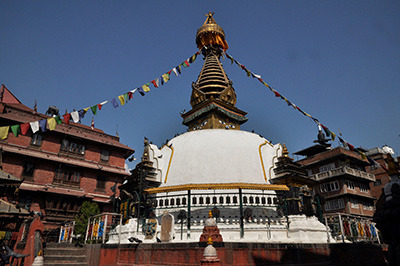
(285, 152)
(211, 33)
(209, 241)
(210, 214)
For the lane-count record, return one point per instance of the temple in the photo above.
(238, 175)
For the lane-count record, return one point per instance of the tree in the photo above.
(81, 220)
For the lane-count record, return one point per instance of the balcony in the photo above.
(344, 170)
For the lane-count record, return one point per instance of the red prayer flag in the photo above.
(277, 94)
(261, 80)
(25, 128)
(154, 81)
(67, 117)
(99, 106)
(130, 95)
(169, 72)
(351, 147)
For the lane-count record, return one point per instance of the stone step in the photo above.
(66, 264)
(64, 258)
(65, 251)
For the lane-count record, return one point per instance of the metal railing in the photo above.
(341, 171)
(352, 228)
(66, 232)
(100, 225)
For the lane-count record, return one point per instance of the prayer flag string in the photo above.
(327, 131)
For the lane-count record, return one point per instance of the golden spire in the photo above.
(210, 214)
(285, 152)
(211, 33)
(209, 241)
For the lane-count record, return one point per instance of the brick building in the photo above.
(60, 168)
(379, 155)
(342, 177)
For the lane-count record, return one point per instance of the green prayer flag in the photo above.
(94, 109)
(58, 120)
(16, 129)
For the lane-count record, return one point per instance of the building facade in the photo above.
(60, 168)
(343, 181)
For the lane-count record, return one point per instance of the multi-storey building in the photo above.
(60, 168)
(379, 155)
(343, 180)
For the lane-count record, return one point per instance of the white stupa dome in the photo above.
(215, 156)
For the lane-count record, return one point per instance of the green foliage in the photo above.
(81, 220)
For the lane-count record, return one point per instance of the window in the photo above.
(275, 201)
(67, 176)
(105, 155)
(354, 204)
(172, 202)
(350, 184)
(208, 200)
(178, 201)
(221, 200)
(201, 200)
(364, 188)
(326, 168)
(36, 139)
(183, 201)
(166, 202)
(101, 183)
(334, 204)
(331, 186)
(368, 206)
(161, 203)
(257, 200)
(71, 146)
(29, 169)
(378, 182)
(194, 200)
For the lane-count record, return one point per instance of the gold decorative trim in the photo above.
(169, 163)
(273, 158)
(217, 186)
(261, 158)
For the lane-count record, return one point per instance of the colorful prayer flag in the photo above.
(140, 90)
(178, 68)
(4, 132)
(175, 72)
(25, 128)
(43, 124)
(67, 117)
(58, 120)
(94, 109)
(34, 126)
(52, 123)
(333, 136)
(146, 87)
(92, 124)
(185, 64)
(154, 83)
(165, 77)
(114, 103)
(121, 100)
(16, 129)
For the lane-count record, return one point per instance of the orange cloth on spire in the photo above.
(210, 38)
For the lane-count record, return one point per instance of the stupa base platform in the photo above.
(237, 253)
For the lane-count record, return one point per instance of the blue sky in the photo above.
(337, 60)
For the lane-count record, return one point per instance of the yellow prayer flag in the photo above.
(333, 136)
(85, 110)
(121, 99)
(165, 77)
(52, 123)
(146, 88)
(4, 132)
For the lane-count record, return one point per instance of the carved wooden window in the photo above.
(105, 155)
(67, 176)
(29, 169)
(101, 183)
(71, 146)
(36, 139)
